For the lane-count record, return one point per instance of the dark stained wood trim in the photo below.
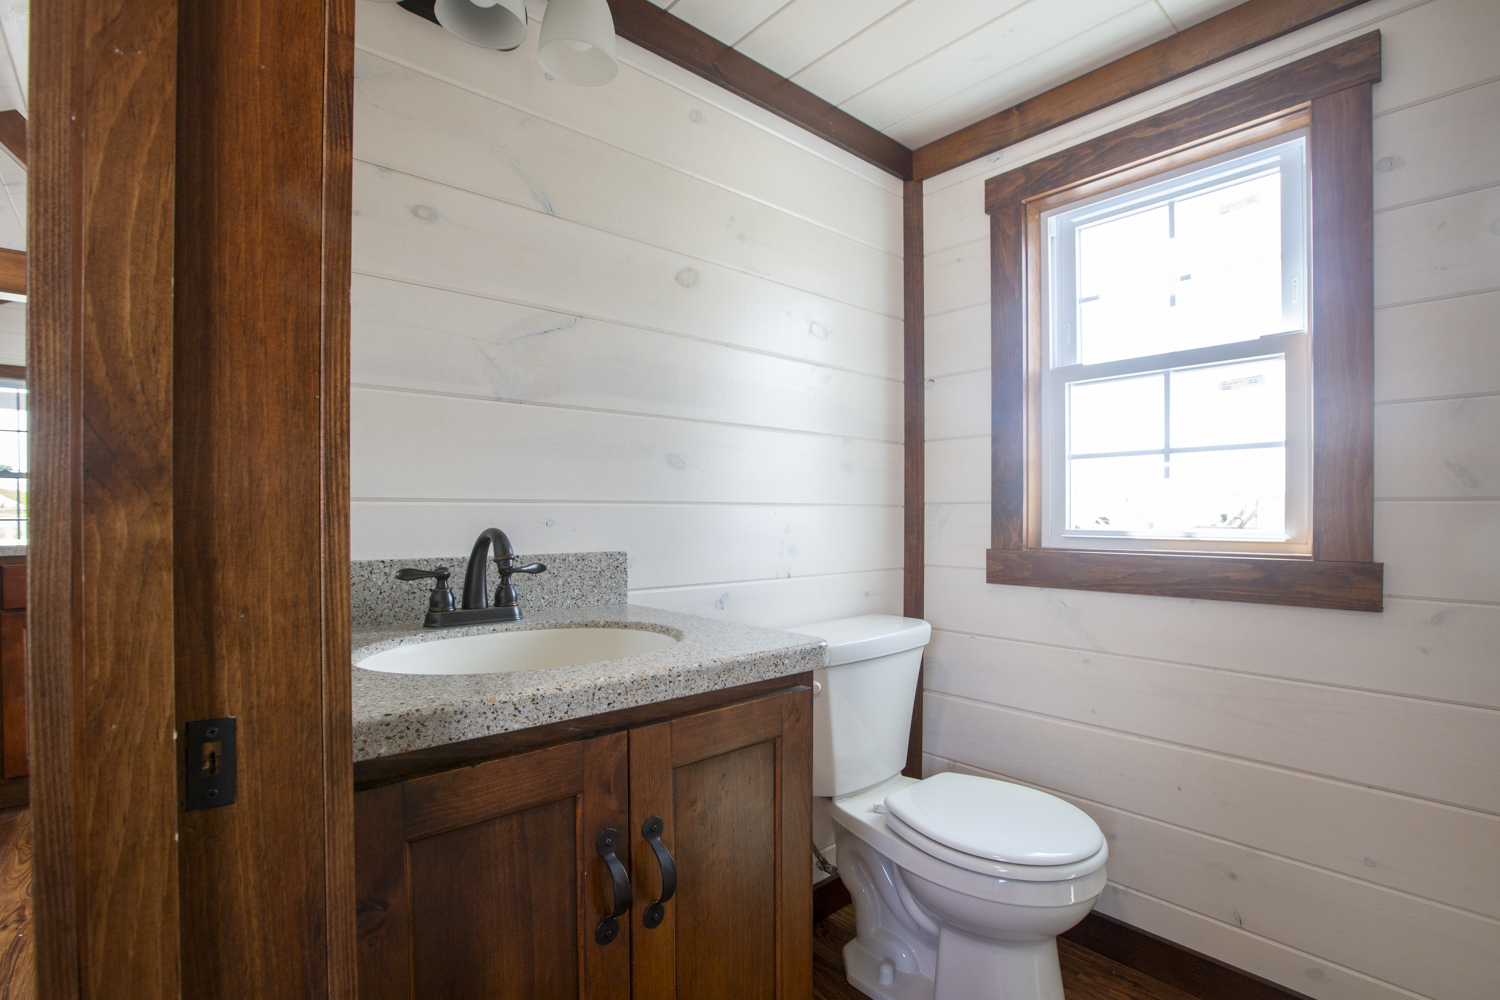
(794, 758)
(915, 392)
(13, 134)
(12, 271)
(261, 490)
(99, 351)
(13, 371)
(1172, 964)
(1237, 29)
(1343, 318)
(1335, 84)
(1308, 583)
(398, 767)
(1348, 64)
(676, 41)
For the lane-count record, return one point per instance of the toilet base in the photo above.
(969, 968)
(862, 969)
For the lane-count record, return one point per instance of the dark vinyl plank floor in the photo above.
(1086, 974)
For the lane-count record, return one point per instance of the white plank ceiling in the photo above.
(919, 69)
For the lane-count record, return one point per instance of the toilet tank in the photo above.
(862, 700)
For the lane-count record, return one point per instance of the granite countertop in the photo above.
(395, 713)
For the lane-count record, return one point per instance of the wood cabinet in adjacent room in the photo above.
(13, 752)
(502, 879)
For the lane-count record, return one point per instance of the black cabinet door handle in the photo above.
(609, 927)
(655, 913)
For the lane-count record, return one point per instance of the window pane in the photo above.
(1240, 492)
(1241, 403)
(12, 409)
(1195, 261)
(1215, 493)
(1115, 494)
(1228, 256)
(1116, 415)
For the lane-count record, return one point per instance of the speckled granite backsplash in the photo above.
(572, 580)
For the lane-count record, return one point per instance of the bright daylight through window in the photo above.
(1175, 396)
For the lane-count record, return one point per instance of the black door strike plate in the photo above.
(210, 764)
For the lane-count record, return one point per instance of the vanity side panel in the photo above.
(794, 882)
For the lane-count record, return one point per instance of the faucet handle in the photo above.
(442, 597)
(533, 568)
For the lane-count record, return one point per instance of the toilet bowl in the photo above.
(960, 883)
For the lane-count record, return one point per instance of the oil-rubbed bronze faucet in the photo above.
(476, 609)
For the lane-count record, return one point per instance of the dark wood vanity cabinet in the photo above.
(486, 880)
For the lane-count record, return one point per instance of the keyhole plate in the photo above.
(210, 753)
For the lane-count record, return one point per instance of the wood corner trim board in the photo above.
(914, 350)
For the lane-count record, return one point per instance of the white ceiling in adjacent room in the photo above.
(14, 22)
(919, 69)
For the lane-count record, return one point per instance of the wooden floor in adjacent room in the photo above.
(1086, 975)
(15, 905)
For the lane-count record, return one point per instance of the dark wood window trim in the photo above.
(1330, 91)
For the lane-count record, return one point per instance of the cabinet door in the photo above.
(485, 882)
(733, 788)
(13, 755)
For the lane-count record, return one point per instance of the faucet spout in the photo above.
(476, 574)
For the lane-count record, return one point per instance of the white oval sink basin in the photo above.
(529, 649)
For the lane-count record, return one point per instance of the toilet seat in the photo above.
(975, 822)
(998, 869)
(862, 814)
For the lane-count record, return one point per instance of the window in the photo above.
(1183, 349)
(1175, 396)
(14, 504)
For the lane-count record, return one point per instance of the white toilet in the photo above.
(961, 884)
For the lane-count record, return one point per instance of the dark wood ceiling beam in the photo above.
(676, 41)
(1237, 29)
(12, 271)
(13, 134)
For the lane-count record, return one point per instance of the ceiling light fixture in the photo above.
(493, 24)
(577, 43)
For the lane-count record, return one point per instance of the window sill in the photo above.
(1308, 583)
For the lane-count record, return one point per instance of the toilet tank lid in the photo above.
(868, 636)
(986, 818)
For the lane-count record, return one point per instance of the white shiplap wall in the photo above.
(646, 316)
(1310, 795)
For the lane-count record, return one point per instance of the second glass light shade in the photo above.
(577, 43)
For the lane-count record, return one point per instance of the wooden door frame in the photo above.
(189, 221)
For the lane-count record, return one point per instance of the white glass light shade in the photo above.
(577, 43)
(496, 24)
